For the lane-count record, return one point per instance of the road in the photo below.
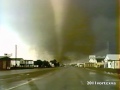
(67, 78)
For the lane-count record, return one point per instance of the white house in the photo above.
(95, 61)
(52, 65)
(16, 62)
(100, 61)
(27, 63)
(92, 59)
(112, 61)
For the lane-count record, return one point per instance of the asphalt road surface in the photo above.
(66, 78)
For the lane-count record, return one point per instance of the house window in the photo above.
(110, 63)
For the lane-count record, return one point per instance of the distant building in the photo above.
(112, 61)
(95, 61)
(100, 61)
(27, 63)
(15, 62)
(4, 62)
(52, 65)
(92, 59)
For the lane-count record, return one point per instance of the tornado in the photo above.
(73, 30)
(59, 8)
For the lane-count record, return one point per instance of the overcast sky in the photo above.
(66, 29)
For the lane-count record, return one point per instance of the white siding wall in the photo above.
(14, 62)
(114, 64)
(30, 62)
(27, 62)
(110, 64)
(117, 64)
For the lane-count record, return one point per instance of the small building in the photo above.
(95, 61)
(27, 63)
(4, 62)
(92, 59)
(100, 62)
(51, 64)
(15, 62)
(112, 61)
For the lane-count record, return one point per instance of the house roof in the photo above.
(4, 57)
(16, 58)
(28, 60)
(100, 59)
(112, 57)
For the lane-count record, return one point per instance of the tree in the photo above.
(46, 64)
(38, 62)
(56, 64)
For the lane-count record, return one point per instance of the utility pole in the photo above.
(15, 55)
(108, 46)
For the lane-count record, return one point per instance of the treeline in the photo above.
(47, 64)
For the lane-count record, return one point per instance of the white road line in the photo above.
(27, 82)
(23, 83)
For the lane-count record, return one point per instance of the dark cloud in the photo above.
(34, 21)
(107, 8)
(88, 25)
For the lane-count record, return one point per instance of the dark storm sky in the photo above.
(87, 26)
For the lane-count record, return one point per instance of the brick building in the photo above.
(4, 62)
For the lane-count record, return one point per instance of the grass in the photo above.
(115, 72)
(26, 76)
(107, 70)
